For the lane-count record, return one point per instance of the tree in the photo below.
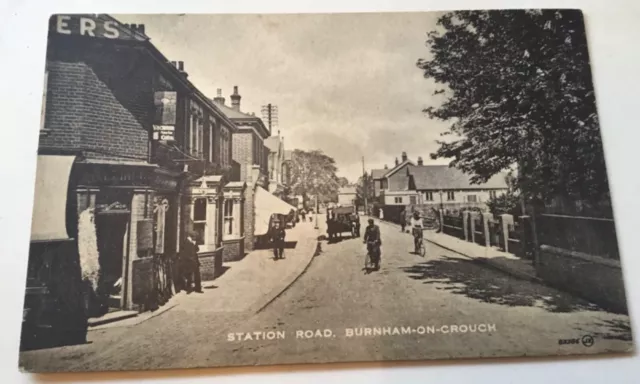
(364, 189)
(518, 91)
(314, 173)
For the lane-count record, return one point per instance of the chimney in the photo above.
(235, 99)
(141, 29)
(404, 156)
(181, 68)
(219, 99)
(420, 161)
(397, 162)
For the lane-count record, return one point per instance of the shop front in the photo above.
(54, 312)
(127, 229)
(203, 217)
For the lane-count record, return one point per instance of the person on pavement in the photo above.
(277, 240)
(403, 220)
(189, 252)
(416, 229)
(374, 241)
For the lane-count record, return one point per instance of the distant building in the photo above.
(347, 196)
(439, 185)
(276, 164)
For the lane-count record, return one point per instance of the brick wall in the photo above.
(242, 144)
(210, 265)
(233, 250)
(99, 98)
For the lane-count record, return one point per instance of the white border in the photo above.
(613, 29)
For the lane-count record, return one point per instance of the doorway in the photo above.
(111, 229)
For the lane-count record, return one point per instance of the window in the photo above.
(200, 219)
(212, 127)
(451, 195)
(398, 200)
(196, 133)
(428, 196)
(412, 199)
(43, 111)
(228, 217)
(492, 194)
(471, 198)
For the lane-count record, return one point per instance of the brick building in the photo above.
(131, 157)
(251, 155)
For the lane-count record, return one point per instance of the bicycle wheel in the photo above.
(422, 249)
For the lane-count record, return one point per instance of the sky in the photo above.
(346, 84)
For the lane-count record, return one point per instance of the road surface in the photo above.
(439, 306)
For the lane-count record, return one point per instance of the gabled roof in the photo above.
(347, 190)
(398, 167)
(378, 173)
(239, 118)
(445, 177)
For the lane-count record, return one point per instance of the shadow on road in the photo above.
(464, 277)
(616, 330)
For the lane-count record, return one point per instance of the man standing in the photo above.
(192, 264)
(277, 240)
(403, 220)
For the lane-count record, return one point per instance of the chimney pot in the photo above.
(397, 162)
(181, 65)
(235, 99)
(420, 160)
(404, 156)
(219, 92)
(141, 28)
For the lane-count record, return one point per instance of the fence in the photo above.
(591, 235)
(504, 232)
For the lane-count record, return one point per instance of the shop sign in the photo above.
(164, 133)
(87, 26)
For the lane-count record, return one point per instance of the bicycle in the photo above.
(370, 261)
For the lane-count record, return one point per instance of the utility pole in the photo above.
(365, 191)
(270, 115)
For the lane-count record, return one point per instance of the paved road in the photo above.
(439, 300)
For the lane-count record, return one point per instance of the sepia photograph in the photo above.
(243, 189)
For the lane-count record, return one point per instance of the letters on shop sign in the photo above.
(85, 26)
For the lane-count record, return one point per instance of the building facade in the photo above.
(440, 186)
(135, 139)
(250, 154)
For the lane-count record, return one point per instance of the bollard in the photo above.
(505, 221)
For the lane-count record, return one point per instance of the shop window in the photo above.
(451, 195)
(200, 219)
(228, 217)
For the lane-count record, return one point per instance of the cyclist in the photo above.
(416, 230)
(373, 241)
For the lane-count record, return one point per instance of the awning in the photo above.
(266, 205)
(50, 201)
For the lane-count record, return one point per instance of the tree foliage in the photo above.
(364, 189)
(518, 91)
(314, 173)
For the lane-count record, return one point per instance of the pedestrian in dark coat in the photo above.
(189, 252)
(278, 235)
(403, 220)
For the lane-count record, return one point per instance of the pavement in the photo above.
(440, 306)
(490, 256)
